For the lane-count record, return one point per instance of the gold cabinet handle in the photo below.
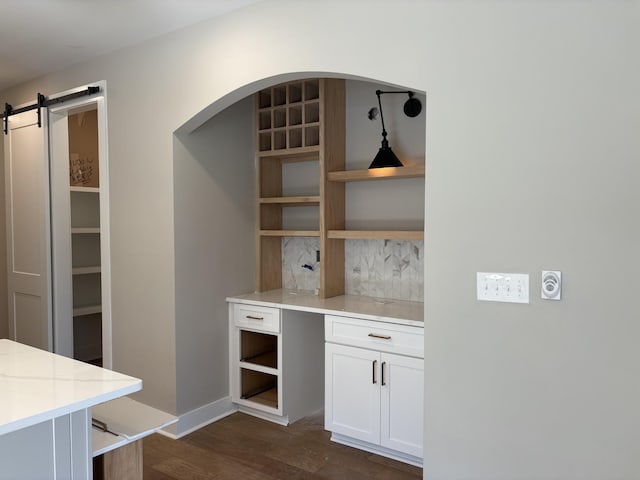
(373, 371)
(383, 337)
(254, 318)
(382, 369)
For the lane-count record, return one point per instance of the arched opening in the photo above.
(215, 220)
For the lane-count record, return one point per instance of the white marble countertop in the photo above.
(391, 311)
(36, 385)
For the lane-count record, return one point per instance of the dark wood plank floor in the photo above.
(244, 447)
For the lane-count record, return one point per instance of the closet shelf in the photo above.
(86, 270)
(377, 234)
(411, 171)
(85, 189)
(81, 230)
(87, 310)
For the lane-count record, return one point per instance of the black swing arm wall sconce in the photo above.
(385, 156)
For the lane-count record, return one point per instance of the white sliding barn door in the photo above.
(28, 230)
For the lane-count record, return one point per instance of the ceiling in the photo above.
(43, 36)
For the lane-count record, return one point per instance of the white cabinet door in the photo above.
(352, 392)
(28, 230)
(402, 394)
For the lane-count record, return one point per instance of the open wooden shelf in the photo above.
(291, 201)
(376, 234)
(289, 233)
(411, 171)
(301, 154)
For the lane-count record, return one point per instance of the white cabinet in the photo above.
(373, 388)
(401, 403)
(276, 367)
(352, 392)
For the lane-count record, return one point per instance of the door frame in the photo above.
(60, 228)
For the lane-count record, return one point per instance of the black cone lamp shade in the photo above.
(385, 156)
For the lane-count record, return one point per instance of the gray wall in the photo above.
(532, 159)
(532, 148)
(214, 197)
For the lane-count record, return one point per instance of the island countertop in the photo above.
(36, 385)
(400, 312)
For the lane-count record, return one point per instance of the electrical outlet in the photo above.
(503, 287)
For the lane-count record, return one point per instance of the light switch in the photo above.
(503, 287)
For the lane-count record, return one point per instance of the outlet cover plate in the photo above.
(503, 287)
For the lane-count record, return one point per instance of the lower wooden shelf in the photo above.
(377, 234)
(268, 398)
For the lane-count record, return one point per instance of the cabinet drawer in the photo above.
(265, 319)
(380, 336)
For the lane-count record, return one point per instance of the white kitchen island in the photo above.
(45, 412)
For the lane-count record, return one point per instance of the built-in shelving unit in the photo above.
(86, 269)
(304, 121)
(300, 121)
(263, 381)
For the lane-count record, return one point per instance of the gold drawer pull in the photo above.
(383, 337)
(254, 318)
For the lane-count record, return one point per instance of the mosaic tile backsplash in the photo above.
(374, 268)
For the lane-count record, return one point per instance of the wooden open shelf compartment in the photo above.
(259, 387)
(288, 116)
(259, 349)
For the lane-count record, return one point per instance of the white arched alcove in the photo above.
(214, 209)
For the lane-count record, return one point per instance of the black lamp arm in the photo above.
(406, 92)
(384, 131)
(412, 106)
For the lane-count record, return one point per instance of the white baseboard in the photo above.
(377, 449)
(279, 419)
(200, 417)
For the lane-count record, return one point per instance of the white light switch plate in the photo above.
(503, 287)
